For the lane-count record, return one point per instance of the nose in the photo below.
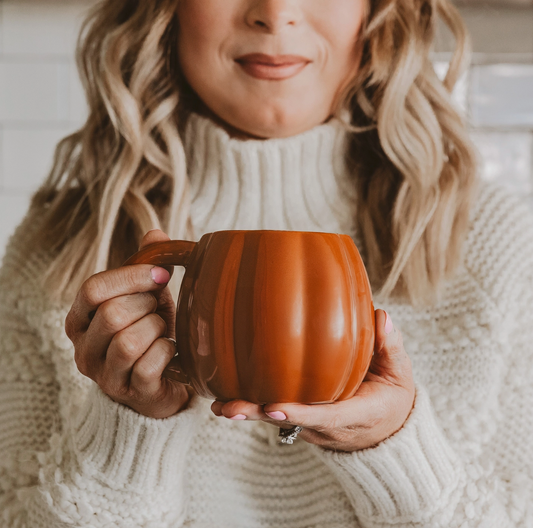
(272, 16)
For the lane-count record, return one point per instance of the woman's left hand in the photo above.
(379, 408)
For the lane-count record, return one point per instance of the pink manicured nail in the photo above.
(277, 415)
(238, 417)
(389, 327)
(160, 275)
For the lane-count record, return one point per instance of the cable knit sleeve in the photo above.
(441, 469)
(70, 456)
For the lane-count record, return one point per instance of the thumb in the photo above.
(390, 362)
(153, 236)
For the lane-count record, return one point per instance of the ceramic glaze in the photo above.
(270, 316)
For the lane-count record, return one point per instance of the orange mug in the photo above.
(270, 316)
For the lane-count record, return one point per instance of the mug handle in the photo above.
(168, 253)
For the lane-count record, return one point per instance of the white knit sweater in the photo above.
(69, 456)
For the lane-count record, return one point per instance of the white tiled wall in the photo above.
(41, 99)
(502, 95)
(500, 110)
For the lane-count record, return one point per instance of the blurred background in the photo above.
(41, 99)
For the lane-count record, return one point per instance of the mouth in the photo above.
(272, 67)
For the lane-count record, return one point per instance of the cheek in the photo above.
(199, 17)
(341, 29)
(346, 18)
(193, 40)
(201, 31)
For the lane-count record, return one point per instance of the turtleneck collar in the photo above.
(296, 183)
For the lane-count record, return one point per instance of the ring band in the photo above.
(288, 436)
(173, 341)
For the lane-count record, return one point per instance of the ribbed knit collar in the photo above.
(295, 183)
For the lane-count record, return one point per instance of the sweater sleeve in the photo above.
(69, 455)
(423, 476)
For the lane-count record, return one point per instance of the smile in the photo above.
(272, 67)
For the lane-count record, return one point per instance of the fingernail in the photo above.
(277, 415)
(238, 417)
(389, 327)
(160, 275)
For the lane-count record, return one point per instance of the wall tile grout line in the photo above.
(24, 58)
(40, 125)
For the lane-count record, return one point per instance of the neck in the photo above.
(297, 183)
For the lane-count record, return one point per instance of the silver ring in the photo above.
(288, 436)
(173, 341)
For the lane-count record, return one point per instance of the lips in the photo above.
(272, 67)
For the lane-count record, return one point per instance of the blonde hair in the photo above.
(125, 173)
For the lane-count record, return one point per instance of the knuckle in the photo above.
(112, 317)
(128, 346)
(93, 290)
(232, 408)
(139, 302)
(159, 324)
(148, 302)
(147, 371)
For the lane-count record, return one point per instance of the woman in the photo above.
(279, 114)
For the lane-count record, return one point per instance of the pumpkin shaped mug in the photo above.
(270, 316)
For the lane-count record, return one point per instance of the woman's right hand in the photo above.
(122, 326)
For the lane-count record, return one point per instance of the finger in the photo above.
(153, 236)
(216, 408)
(357, 411)
(167, 306)
(147, 372)
(129, 345)
(117, 314)
(166, 309)
(111, 318)
(108, 285)
(239, 410)
(390, 361)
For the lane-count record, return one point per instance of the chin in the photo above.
(272, 122)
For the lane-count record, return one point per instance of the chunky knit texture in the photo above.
(69, 456)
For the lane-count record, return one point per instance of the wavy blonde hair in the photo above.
(124, 172)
